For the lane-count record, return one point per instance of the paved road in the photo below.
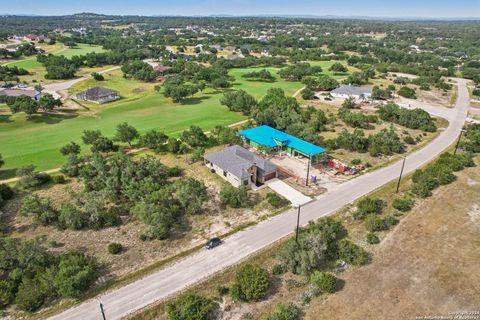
(55, 87)
(163, 283)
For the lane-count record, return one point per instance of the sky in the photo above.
(373, 8)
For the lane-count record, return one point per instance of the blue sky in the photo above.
(385, 8)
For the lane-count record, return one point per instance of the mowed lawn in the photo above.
(38, 141)
(36, 69)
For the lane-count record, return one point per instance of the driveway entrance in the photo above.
(283, 189)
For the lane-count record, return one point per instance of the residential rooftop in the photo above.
(272, 138)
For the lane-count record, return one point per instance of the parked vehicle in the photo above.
(212, 243)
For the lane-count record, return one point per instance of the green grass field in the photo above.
(38, 141)
(36, 69)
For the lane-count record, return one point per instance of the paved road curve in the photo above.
(163, 283)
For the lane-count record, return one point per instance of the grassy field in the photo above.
(37, 141)
(36, 69)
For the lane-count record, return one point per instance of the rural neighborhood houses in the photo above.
(98, 95)
(239, 166)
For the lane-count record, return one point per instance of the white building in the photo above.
(349, 91)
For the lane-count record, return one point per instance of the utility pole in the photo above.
(308, 170)
(401, 172)
(101, 309)
(458, 141)
(298, 222)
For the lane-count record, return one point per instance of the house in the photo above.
(265, 137)
(349, 91)
(235, 56)
(98, 95)
(240, 167)
(34, 94)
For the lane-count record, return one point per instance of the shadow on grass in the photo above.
(5, 118)
(51, 118)
(194, 100)
(7, 173)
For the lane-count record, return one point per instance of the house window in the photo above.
(225, 173)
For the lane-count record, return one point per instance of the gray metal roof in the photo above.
(352, 91)
(19, 92)
(237, 160)
(96, 93)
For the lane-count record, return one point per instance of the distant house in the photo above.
(349, 91)
(239, 166)
(35, 95)
(98, 95)
(235, 56)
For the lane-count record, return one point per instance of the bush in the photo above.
(390, 221)
(30, 179)
(234, 197)
(355, 162)
(190, 307)
(251, 283)
(275, 200)
(351, 253)
(278, 269)
(285, 312)
(372, 238)
(407, 92)
(40, 210)
(368, 205)
(115, 248)
(325, 281)
(374, 223)
(76, 273)
(403, 204)
(59, 179)
(409, 140)
(6, 193)
(30, 295)
(222, 290)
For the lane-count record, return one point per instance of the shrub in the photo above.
(71, 218)
(115, 248)
(355, 162)
(325, 281)
(407, 92)
(390, 221)
(372, 238)
(58, 179)
(222, 290)
(403, 204)
(30, 179)
(75, 274)
(251, 283)
(374, 223)
(190, 307)
(6, 193)
(278, 269)
(234, 197)
(275, 200)
(368, 205)
(30, 295)
(351, 253)
(40, 210)
(285, 312)
(409, 140)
